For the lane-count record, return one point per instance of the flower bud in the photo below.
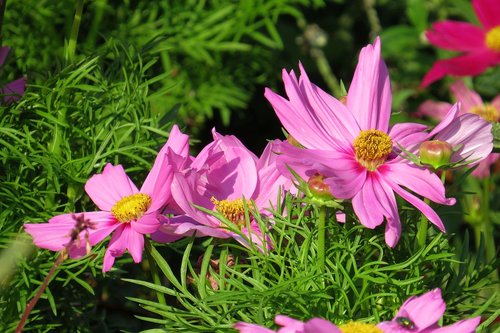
(318, 188)
(435, 153)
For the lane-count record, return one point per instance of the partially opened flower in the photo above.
(421, 315)
(14, 90)
(224, 178)
(468, 135)
(126, 211)
(352, 146)
(480, 45)
(471, 103)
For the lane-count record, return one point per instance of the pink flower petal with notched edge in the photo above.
(468, 64)
(436, 110)
(465, 96)
(289, 325)
(488, 12)
(456, 36)
(251, 328)
(462, 326)
(319, 325)
(370, 100)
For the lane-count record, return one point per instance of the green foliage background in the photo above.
(142, 65)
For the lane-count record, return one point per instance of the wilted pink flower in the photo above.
(421, 315)
(480, 45)
(290, 325)
(14, 90)
(223, 178)
(353, 147)
(126, 211)
(471, 103)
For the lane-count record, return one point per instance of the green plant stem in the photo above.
(321, 238)
(422, 228)
(71, 50)
(154, 271)
(326, 72)
(485, 226)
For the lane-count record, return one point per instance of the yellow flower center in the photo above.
(487, 112)
(357, 327)
(493, 39)
(233, 210)
(131, 207)
(372, 148)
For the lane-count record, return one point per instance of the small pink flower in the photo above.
(471, 103)
(224, 177)
(290, 325)
(353, 147)
(421, 315)
(14, 90)
(127, 212)
(480, 45)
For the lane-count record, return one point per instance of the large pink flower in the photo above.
(421, 315)
(471, 103)
(354, 148)
(127, 212)
(14, 90)
(224, 177)
(290, 325)
(480, 45)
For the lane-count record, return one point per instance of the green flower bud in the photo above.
(435, 153)
(318, 188)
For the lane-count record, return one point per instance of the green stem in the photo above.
(326, 71)
(154, 271)
(485, 226)
(71, 50)
(321, 238)
(422, 228)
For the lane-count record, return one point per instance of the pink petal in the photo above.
(366, 204)
(147, 223)
(488, 12)
(496, 103)
(184, 225)
(369, 97)
(117, 246)
(254, 235)
(469, 64)
(436, 110)
(408, 136)
(448, 119)
(464, 95)
(289, 324)
(108, 187)
(319, 325)
(456, 36)
(135, 243)
(462, 326)
(251, 328)
(424, 310)
(483, 169)
(472, 133)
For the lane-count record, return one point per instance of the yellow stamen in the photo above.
(492, 39)
(372, 148)
(131, 207)
(487, 111)
(233, 210)
(356, 327)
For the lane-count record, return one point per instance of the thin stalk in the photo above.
(321, 238)
(326, 72)
(485, 226)
(422, 228)
(71, 50)
(154, 271)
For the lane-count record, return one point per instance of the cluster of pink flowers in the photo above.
(350, 147)
(416, 315)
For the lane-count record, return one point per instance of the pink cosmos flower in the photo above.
(127, 212)
(354, 148)
(480, 45)
(421, 315)
(290, 325)
(471, 103)
(15, 89)
(223, 178)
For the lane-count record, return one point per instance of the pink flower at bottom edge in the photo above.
(290, 325)
(127, 212)
(421, 315)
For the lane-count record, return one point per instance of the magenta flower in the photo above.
(290, 325)
(471, 103)
(480, 45)
(125, 211)
(14, 90)
(421, 315)
(354, 148)
(223, 178)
